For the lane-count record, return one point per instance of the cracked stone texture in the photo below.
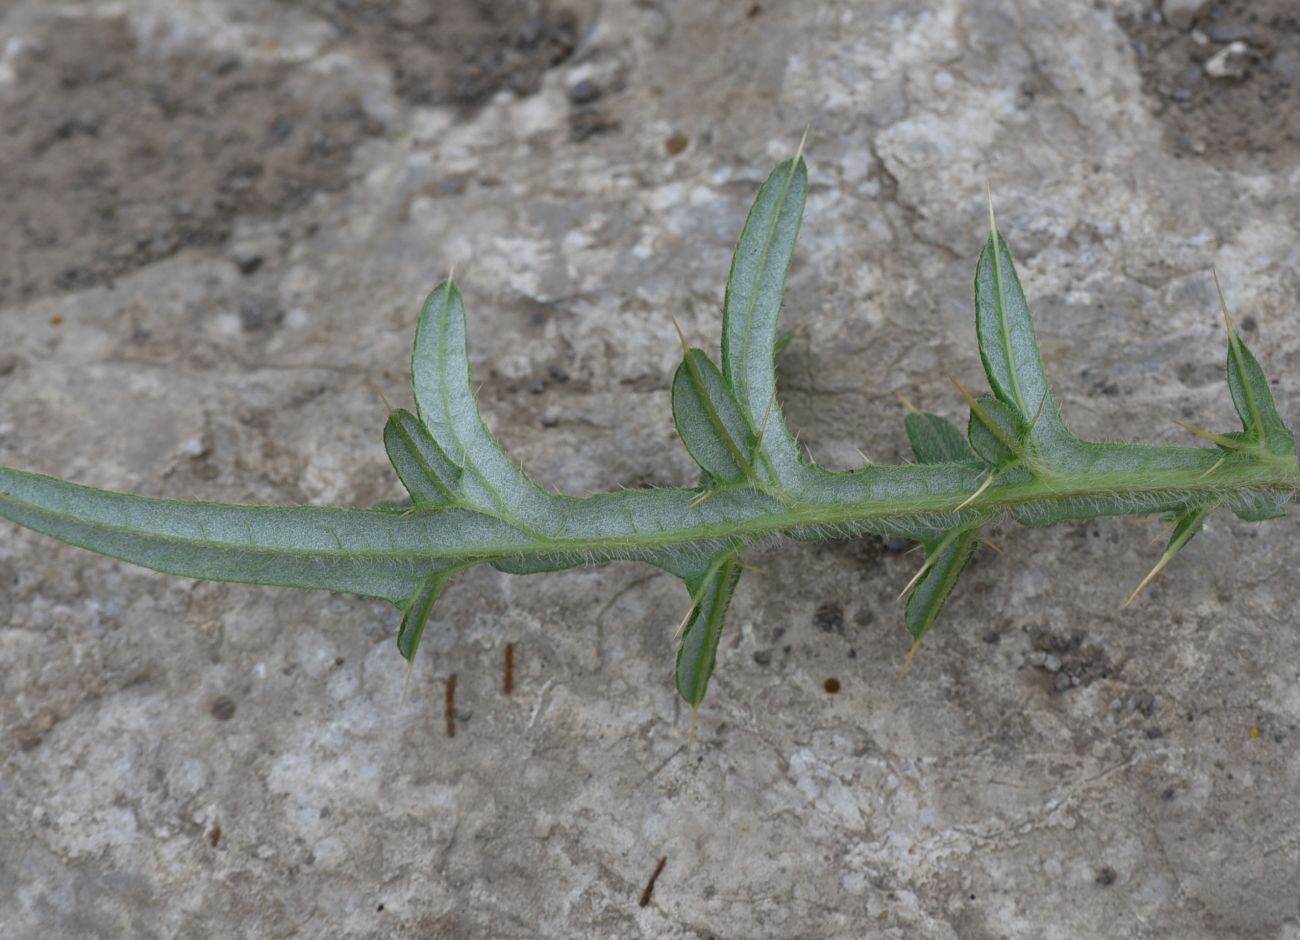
(250, 199)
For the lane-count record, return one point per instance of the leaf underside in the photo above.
(471, 504)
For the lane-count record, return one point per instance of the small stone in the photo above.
(1062, 682)
(676, 144)
(763, 657)
(1052, 663)
(1229, 62)
(1181, 14)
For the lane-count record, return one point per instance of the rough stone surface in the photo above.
(188, 759)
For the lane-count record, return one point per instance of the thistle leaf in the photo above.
(1009, 347)
(446, 405)
(355, 551)
(709, 421)
(936, 440)
(426, 472)
(754, 295)
(471, 505)
(944, 565)
(416, 612)
(697, 655)
(1251, 395)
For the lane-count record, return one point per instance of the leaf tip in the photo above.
(803, 141)
(406, 680)
(988, 195)
(1223, 306)
(384, 398)
(1151, 575)
(911, 408)
(961, 389)
(686, 348)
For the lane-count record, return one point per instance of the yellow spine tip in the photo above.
(925, 566)
(976, 495)
(682, 626)
(1223, 305)
(1151, 576)
(907, 663)
(384, 398)
(961, 389)
(988, 194)
(680, 335)
(406, 681)
(802, 143)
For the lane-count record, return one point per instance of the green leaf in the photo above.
(1251, 394)
(697, 656)
(445, 402)
(944, 566)
(420, 463)
(416, 612)
(995, 432)
(936, 440)
(356, 551)
(755, 291)
(1009, 347)
(709, 421)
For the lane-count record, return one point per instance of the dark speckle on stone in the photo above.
(829, 618)
(1107, 877)
(1248, 324)
(896, 543)
(763, 657)
(583, 92)
(248, 264)
(831, 685)
(223, 709)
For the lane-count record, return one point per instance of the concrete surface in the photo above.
(219, 220)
